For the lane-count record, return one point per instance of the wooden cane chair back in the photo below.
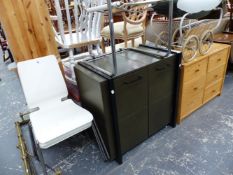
(134, 15)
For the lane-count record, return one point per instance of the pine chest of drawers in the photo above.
(202, 79)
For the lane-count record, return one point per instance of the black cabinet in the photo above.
(136, 102)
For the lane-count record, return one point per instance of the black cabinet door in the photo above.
(161, 94)
(133, 129)
(131, 93)
(160, 113)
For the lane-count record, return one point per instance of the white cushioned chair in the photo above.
(54, 117)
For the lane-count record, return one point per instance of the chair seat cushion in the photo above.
(59, 121)
(119, 29)
(78, 40)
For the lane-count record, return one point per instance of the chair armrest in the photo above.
(22, 114)
(64, 98)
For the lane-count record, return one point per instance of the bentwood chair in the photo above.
(53, 117)
(77, 27)
(132, 26)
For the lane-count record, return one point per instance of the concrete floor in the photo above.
(202, 144)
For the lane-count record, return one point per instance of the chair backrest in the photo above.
(41, 80)
(134, 15)
(73, 19)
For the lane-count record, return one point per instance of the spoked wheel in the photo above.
(190, 48)
(162, 40)
(206, 42)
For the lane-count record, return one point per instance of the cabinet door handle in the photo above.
(133, 81)
(160, 68)
(219, 59)
(197, 70)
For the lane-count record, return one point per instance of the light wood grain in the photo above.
(28, 28)
(192, 94)
(197, 69)
(202, 79)
(212, 91)
(215, 75)
(217, 59)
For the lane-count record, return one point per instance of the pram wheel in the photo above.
(205, 42)
(190, 48)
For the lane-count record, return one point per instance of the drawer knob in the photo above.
(216, 76)
(219, 59)
(213, 91)
(197, 70)
(196, 88)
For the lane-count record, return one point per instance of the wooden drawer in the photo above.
(212, 90)
(189, 104)
(215, 75)
(194, 87)
(217, 59)
(195, 70)
(192, 96)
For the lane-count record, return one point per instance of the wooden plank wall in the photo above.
(28, 28)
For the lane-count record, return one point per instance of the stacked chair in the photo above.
(53, 117)
(76, 28)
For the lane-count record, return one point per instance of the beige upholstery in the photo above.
(132, 29)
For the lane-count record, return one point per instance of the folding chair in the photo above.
(53, 117)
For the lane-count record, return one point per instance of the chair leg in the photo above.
(37, 151)
(39, 156)
(100, 141)
(41, 159)
(4, 56)
(99, 52)
(126, 43)
(133, 42)
(143, 39)
(72, 64)
(90, 50)
(10, 55)
(33, 141)
(103, 45)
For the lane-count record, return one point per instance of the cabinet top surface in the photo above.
(127, 60)
(216, 47)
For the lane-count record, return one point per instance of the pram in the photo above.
(191, 36)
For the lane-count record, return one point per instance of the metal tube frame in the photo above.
(37, 152)
(100, 142)
(112, 38)
(110, 81)
(170, 26)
